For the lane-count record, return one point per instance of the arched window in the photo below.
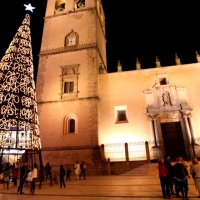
(80, 3)
(70, 124)
(60, 5)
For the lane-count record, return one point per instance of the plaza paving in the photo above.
(140, 183)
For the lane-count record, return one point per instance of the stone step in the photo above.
(148, 169)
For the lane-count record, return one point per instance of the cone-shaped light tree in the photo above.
(19, 124)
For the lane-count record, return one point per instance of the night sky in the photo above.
(133, 30)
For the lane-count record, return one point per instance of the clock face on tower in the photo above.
(71, 41)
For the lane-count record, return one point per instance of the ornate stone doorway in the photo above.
(173, 140)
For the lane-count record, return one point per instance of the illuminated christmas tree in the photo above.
(19, 124)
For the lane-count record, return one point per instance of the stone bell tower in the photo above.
(73, 53)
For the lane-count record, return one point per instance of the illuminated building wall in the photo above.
(82, 106)
(126, 91)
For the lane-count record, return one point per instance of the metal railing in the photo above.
(139, 150)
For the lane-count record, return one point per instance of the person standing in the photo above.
(6, 175)
(34, 178)
(169, 166)
(23, 175)
(82, 166)
(195, 172)
(41, 176)
(62, 175)
(77, 170)
(164, 181)
(68, 173)
(180, 178)
(48, 172)
(15, 174)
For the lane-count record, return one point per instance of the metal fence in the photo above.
(138, 150)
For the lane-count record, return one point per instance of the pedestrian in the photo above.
(6, 175)
(180, 178)
(62, 175)
(187, 166)
(195, 172)
(41, 176)
(77, 170)
(34, 178)
(15, 175)
(83, 167)
(163, 176)
(169, 166)
(68, 174)
(23, 175)
(48, 173)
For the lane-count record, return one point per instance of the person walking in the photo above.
(83, 166)
(34, 178)
(23, 175)
(169, 166)
(68, 174)
(164, 181)
(62, 175)
(180, 178)
(195, 172)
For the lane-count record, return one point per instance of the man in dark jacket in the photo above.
(180, 178)
(48, 173)
(82, 166)
(23, 176)
(170, 167)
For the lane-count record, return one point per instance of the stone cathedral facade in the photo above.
(81, 106)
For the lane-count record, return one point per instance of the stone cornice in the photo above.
(67, 100)
(68, 49)
(68, 148)
(70, 12)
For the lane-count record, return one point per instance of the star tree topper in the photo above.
(29, 7)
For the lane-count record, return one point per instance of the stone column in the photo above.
(152, 131)
(126, 154)
(156, 131)
(102, 151)
(192, 135)
(147, 152)
(191, 127)
(109, 170)
(187, 127)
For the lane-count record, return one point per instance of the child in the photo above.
(6, 174)
(29, 178)
(55, 178)
(68, 174)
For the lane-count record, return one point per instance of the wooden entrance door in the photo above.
(173, 139)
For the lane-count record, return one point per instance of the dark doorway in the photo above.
(173, 139)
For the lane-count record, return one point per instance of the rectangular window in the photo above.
(163, 81)
(121, 115)
(68, 87)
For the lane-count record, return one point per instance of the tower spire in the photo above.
(157, 62)
(197, 56)
(178, 62)
(138, 65)
(119, 67)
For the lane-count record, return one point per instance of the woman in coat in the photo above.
(195, 172)
(34, 178)
(164, 180)
(77, 170)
